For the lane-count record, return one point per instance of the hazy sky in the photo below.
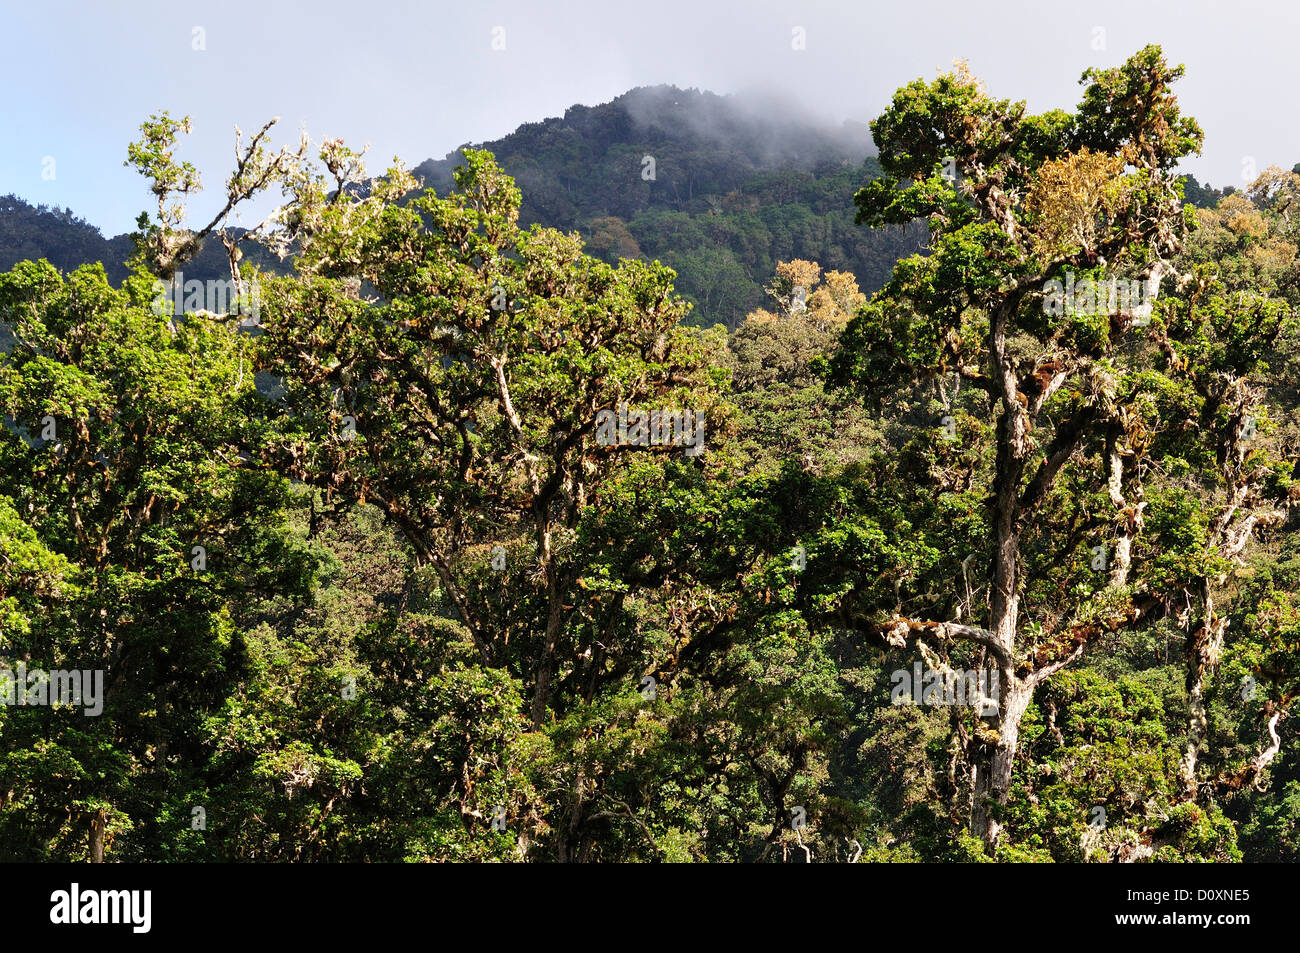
(419, 79)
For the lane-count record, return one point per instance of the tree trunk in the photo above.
(98, 825)
(1203, 648)
(1128, 517)
(994, 761)
(554, 623)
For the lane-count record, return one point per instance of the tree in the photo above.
(787, 412)
(1035, 221)
(465, 401)
(123, 456)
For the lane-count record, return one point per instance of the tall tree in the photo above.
(1036, 223)
(465, 400)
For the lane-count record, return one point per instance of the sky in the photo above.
(417, 80)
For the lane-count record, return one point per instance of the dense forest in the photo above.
(793, 504)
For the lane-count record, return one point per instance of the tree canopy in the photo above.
(472, 543)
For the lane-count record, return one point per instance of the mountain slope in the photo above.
(719, 187)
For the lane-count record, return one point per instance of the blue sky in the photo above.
(419, 79)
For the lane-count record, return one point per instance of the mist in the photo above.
(417, 82)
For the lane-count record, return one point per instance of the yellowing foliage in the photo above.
(1071, 200)
(827, 302)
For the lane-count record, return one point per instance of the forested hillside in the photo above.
(737, 185)
(719, 188)
(734, 185)
(936, 506)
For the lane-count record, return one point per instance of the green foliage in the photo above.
(437, 617)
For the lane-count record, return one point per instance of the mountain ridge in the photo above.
(719, 187)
